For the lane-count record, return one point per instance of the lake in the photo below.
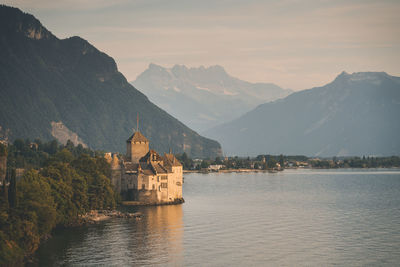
(294, 217)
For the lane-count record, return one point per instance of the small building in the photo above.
(145, 176)
(215, 167)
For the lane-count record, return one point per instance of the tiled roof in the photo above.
(137, 137)
(148, 172)
(159, 168)
(170, 159)
(152, 155)
(129, 166)
(152, 163)
(151, 168)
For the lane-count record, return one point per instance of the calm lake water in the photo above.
(296, 217)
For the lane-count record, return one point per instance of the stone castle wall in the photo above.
(137, 150)
(147, 196)
(175, 183)
(150, 185)
(116, 176)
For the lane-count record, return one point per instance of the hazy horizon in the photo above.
(294, 44)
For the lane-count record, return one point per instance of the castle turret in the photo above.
(115, 164)
(137, 146)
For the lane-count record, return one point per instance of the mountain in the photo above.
(203, 97)
(356, 114)
(69, 89)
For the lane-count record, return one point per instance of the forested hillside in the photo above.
(68, 89)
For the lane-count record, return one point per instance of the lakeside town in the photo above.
(274, 163)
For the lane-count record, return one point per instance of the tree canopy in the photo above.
(59, 184)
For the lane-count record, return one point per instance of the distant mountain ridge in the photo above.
(68, 83)
(203, 97)
(356, 114)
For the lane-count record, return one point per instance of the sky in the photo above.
(296, 44)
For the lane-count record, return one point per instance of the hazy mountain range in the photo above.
(356, 114)
(203, 97)
(69, 89)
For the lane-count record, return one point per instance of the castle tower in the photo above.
(137, 146)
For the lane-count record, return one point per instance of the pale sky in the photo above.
(295, 44)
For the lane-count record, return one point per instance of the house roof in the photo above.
(129, 166)
(152, 155)
(170, 159)
(158, 168)
(152, 163)
(137, 137)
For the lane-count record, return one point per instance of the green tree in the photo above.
(101, 194)
(10, 252)
(204, 164)
(70, 146)
(64, 155)
(80, 197)
(271, 163)
(12, 190)
(34, 195)
(4, 207)
(68, 184)
(51, 147)
(95, 171)
(4, 195)
(3, 150)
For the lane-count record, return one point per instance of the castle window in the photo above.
(143, 186)
(164, 185)
(154, 186)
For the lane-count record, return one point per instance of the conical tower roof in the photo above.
(137, 137)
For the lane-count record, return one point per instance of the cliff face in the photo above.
(44, 79)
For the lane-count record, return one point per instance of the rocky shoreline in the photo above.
(96, 216)
(138, 203)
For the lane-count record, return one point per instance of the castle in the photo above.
(145, 176)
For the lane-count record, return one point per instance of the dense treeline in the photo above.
(260, 162)
(268, 162)
(357, 162)
(59, 184)
(187, 163)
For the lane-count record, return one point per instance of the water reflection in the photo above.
(317, 218)
(156, 239)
